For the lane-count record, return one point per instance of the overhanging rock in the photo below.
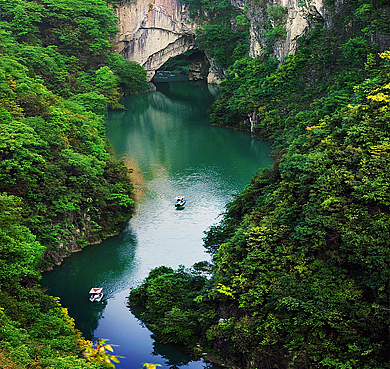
(152, 32)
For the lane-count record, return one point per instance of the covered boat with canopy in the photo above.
(96, 294)
(180, 201)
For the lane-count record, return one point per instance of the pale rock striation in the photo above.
(300, 15)
(215, 73)
(152, 31)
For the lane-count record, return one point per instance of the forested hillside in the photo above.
(60, 186)
(301, 273)
(301, 260)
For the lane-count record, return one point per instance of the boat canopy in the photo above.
(96, 290)
(179, 198)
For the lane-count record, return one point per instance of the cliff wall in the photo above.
(297, 19)
(152, 31)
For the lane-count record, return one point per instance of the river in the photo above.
(166, 136)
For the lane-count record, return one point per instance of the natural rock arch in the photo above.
(150, 33)
(153, 31)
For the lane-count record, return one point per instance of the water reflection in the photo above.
(167, 138)
(179, 359)
(173, 355)
(77, 275)
(156, 138)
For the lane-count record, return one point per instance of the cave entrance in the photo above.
(192, 65)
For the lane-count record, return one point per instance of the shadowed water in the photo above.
(166, 137)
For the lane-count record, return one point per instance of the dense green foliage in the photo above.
(312, 281)
(54, 154)
(301, 275)
(37, 333)
(311, 84)
(66, 42)
(60, 186)
(171, 312)
(223, 32)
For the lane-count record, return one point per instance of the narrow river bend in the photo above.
(166, 136)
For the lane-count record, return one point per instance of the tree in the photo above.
(20, 253)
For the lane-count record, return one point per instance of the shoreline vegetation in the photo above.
(300, 274)
(61, 187)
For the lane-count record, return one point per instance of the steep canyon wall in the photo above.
(299, 16)
(152, 31)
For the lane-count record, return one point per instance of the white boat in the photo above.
(96, 294)
(180, 201)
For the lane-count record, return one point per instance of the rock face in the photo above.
(299, 16)
(199, 67)
(152, 31)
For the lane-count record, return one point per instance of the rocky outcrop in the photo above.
(199, 67)
(152, 31)
(296, 22)
(299, 16)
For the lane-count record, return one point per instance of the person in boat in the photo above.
(180, 200)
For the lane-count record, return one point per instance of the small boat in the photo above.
(180, 201)
(96, 294)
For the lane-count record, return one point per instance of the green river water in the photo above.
(166, 136)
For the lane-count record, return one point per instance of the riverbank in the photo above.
(60, 187)
(166, 165)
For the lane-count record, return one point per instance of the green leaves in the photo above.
(20, 253)
(58, 40)
(300, 274)
(168, 297)
(21, 162)
(53, 152)
(222, 42)
(224, 30)
(132, 77)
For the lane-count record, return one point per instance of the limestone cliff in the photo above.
(152, 31)
(298, 17)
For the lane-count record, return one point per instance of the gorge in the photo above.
(299, 267)
(151, 33)
(160, 134)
